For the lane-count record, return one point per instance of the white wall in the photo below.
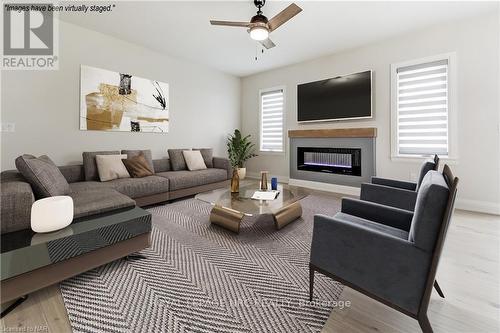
(44, 105)
(476, 43)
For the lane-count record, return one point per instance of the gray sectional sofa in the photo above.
(90, 196)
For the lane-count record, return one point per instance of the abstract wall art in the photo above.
(111, 101)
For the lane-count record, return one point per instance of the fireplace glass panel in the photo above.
(330, 160)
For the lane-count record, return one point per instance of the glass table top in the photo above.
(243, 202)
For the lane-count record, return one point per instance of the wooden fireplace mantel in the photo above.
(367, 132)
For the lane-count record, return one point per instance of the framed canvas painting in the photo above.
(111, 101)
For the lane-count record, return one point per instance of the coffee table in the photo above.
(230, 208)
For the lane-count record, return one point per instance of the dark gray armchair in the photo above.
(396, 193)
(387, 253)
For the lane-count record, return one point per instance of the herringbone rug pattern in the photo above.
(200, 278)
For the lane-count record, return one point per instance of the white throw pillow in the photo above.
(194, 160)
(111, 167)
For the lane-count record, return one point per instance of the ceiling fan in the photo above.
(259, 26)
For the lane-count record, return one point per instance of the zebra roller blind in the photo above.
(422, 108)
(271, 120)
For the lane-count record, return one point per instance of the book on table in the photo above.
(265, 195)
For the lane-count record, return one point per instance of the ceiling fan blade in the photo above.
(267, 43)
(230, 23)
(283, 16)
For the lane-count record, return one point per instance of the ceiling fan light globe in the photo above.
(259, 33)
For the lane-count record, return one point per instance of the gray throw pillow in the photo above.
(177, 159)
(208, 155)
(43, 175)
(147, 155)
(90, 165)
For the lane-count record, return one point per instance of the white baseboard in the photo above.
(464, 204)
(341, 189)
(256, 175)
(478, 206)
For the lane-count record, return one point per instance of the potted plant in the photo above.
(240, 149)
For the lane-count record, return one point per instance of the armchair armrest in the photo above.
(389, 196)
(324, 225)
(223, 163)
(390, 216)
(395, 183)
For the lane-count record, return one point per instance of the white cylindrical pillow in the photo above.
(52, 213)
(111, 167)
(194, 160)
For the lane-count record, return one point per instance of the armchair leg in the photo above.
(311, 283)
(425, 324)
(438, 289)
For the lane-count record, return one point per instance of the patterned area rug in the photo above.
(202, 278)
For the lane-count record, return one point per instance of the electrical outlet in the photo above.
(8, 127)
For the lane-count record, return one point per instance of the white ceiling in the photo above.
(181, 28)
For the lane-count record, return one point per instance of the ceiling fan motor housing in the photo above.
(259, 19)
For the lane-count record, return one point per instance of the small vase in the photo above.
(235, 181)
(242, 173)
(263, 180)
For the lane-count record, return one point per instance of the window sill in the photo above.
(267, 152)
(420, 159)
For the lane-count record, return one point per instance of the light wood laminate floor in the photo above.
(468, 274)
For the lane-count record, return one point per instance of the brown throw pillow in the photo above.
(147, 155)
(137, 166)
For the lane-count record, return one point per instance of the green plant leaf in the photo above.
(239, 148)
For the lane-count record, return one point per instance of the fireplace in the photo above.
(345, 161)
(341, 169)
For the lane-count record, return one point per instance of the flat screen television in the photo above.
(341, 97)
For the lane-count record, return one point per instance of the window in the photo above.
(272, 120)
(421, 107)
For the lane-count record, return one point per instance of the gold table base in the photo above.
(226, 218)
(287, 214)
(231, 219)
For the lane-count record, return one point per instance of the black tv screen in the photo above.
(341, 97)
